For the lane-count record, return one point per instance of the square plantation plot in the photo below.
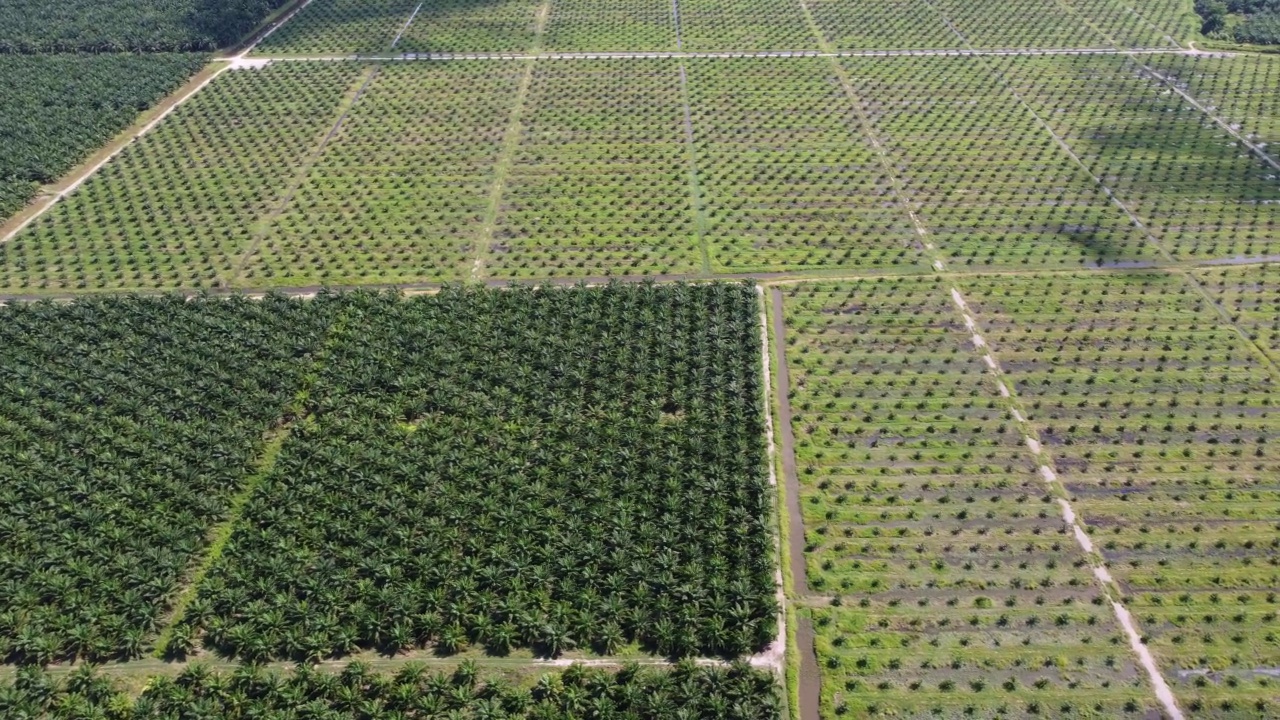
(1131, 24)
(884, 25)
(1172, 20)
(998, 24)
(1160, 421)
(127, 425)
(546, 468)
(987, 182)
(401, 191)
(995, 24)
(611, 26)
(786, 179)
(710, 25)
(514, 26)
(922, 507)
(1195, 190)
(600, 181)
(1241, 88)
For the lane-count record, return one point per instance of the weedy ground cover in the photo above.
(1251, 297)
(470, 26)
(707, 25)
(600, 181)
(1074, 23)
(786, 178)
(988, 25)
(400, 191)
(177, 208)
(281, 193)
(737, 692)
(611, 25)
(1193, 187)
(343, 26)
(60, 107)
(321, 173)
(1159, 419)
(943, 579)
(1126, 24)
(892, 25)
(990, 185)
(126, 426)
(339, 27)
(1018, 24)
(1242, 88)
(524, 468)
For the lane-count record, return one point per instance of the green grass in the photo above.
(339, 27)
(399, 194)
(927, 522)
(1241, 88)
(592, 26)
(989, 184)
(1195, 190)
(796, 165)
(1251, 298)
(789, 183)
(1160, 422)
(599, 182)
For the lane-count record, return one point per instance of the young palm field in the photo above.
(694, 359)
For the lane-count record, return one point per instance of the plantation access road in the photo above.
(810, 679)
(769, 279)
(78, 175)
(149, 666)
(733, 54)
(1097, 563)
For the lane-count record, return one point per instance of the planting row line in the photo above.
(563, 470)
(735, 693)
(923, 506)
(273, 177)
(513, 26)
